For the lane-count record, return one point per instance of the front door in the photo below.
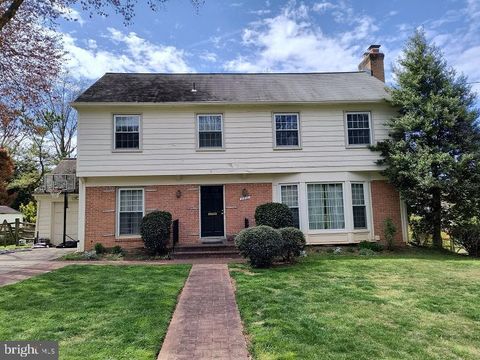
(211, 214)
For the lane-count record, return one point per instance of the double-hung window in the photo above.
(210, 129)
(359, 208)
(130, 211)
(289, 197)
(325, 206)
(127, 132)
(287, 130)
(358, 128)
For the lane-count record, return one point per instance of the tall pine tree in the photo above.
(432, 155)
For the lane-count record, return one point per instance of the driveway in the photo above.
(21, 265)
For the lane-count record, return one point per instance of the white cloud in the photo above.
(70, 14)
(132, 54)
(322, 6)
(261, 12)
(291, 41)
(208, 56)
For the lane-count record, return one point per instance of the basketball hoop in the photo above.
(55, 193)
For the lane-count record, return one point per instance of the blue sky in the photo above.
(268, 36)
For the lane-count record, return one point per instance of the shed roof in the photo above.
(8, 210)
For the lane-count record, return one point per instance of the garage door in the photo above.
(72, 221)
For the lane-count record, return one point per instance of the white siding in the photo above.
(169, 141)
(44, 216)
(10, 218)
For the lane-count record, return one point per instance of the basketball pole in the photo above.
(65, 207)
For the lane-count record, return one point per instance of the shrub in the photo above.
(293, 242)
(100, 249)
(117, 249)
(374, 246)
(366, 252)
(260, 244)
(389, 231)
(155, 231)
(468, 237)
(275, 215)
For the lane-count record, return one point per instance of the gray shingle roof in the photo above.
(235, 88)
(66, 166)
(8, 210)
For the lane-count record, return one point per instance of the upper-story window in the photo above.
(287, 130)
(210, 131)
(358, 128)
(127, 132)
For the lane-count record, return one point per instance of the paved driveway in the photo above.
(21, 265)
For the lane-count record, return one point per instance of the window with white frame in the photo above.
(325, 206)
(127, 131)
(358, 128)
(289, 197)
(210, 131)
(359, 207)
(130, 211)
(287, 130)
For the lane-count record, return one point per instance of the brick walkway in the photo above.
(206, 323)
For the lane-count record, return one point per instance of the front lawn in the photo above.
(96, 312)
(403, 306)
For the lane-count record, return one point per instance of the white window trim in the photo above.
(298, 199)
(274, 127)
(197, 132)
(370, 124)
(366, 204)
(345, 229)
(140, 133)
(117, 211)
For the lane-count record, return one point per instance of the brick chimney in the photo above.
(372, 62)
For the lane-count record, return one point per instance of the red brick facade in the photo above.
(100, 216)
(386, 204)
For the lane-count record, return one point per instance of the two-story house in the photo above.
(210, 148)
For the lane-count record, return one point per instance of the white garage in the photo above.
(50, 203)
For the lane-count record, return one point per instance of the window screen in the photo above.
(127, 131)
(130, 211)
(286, 129)
(358, 128)
(325, 206)
(210, 131)
(289, 195)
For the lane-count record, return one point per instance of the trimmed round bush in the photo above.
(155, 231)
(293, 242)
(275, 215)
(260, 244)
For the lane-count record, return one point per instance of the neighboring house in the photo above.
(9, 214)
(210, 148)
(50, 203)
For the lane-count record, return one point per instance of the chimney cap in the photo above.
(373, 46)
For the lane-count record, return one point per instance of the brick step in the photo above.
(205, 247)
(232, 254)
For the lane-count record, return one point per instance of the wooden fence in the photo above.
(16, 233)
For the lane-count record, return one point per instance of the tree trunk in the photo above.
(437, 218)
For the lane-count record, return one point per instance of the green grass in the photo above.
(96, 312)
(402, 306)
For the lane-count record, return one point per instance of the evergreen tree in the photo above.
(432, 155)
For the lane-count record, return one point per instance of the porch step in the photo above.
(206, 250)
